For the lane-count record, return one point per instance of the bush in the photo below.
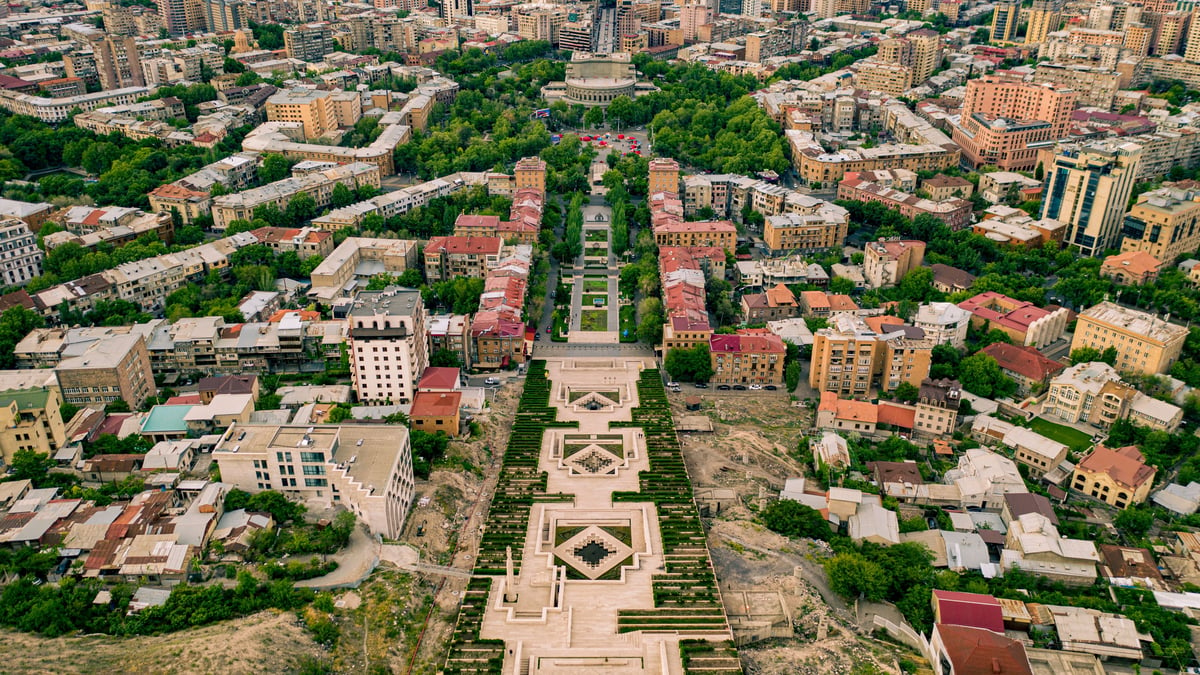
(793, 519)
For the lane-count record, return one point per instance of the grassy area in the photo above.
(560, 326)
(629, 324)
(1068, 436)
(593, 285)
(597, 235)
(594, 319)
(589, 300)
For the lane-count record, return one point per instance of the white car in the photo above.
(492, 380)
(755, 387)
(672, 385)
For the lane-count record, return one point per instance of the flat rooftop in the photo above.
(373, 459)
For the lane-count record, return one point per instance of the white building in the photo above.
(387, 344)
(20, 257)
(366, 468)
(943, 322)
(984, 477)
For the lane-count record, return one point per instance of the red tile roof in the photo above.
(1024, 361)
(969, 609)
(976, 651)
(746, 344)
(436, 404)
(897, 416)
(465, 245)
(439, 378)
(1126, 466)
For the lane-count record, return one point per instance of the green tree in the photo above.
(301, 209)
(30, 465)
(650, 320)
(692, 364)
(981, 375)
(342, 196)
(841, 285)
(15, 324)
(906, 392)
(427, 449)
(851, 575)
(793, 519)
(274, 167)
(444, 358)
(1134, 521)
(791, 375)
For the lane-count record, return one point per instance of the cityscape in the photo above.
(614, 337)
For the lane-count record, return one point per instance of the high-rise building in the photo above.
(692, 15)
(1191, 51)
(1164, 223)
(181, 16)
(22, 259)
(313, 108)
(540, 21)
(1005, 20)
(117, 62)
(387, 344)
(455, 9)
(530, 174)
(1003, 117)
(664, 176)
(310, 42)
(1044, 18)
(1087, 189)
(223, 16)
(1172, 27)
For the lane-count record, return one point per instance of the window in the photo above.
(312, 457)
(318, 470)
(315, 482)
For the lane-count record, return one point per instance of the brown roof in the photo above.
(1123, 561)
(1027, 502)
(1137, 263)
(951, 276)
(228, 384)
(1024, 361)
(436, 404)
(896, 472)
(1126, 466)
(942, 180)
(977, 651)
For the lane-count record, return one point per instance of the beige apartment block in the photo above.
(1088, 187)
(313, 108)
(115, 368)
(1145, 343)
(30, 420)
(366, 469)
(387, 344)
(1163, 223)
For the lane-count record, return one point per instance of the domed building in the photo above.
(596, 79)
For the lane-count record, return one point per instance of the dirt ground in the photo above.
(753, 449)
(267, 642)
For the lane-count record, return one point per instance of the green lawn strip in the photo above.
(1068, 436)
(628, 324)
(594, 320)
(589, 300)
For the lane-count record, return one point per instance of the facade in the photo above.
(1087, 188)
(319, 185)
(310, 42)
(448, 258)
(1144, 343)
(720, 233)
(1004, 118)
(387, 341)
(20, 257)
(663, 175)
(595, 79)
(366, 469)
(944, 323)
(305, 242)
(1163, 224)
(849, 358)
(1117, 477)
(435, 412)
(1024, 322)
(773, 304)
(313, 108)
(30, 420)
(953, 211)
(804, 232)
(117, 367)
(747, 359)
(338, 274)
(886, 262)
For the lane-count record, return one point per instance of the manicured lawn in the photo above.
(594, 319)
(595, 285)
(1073, 438)
(590, 300)
(597, 235)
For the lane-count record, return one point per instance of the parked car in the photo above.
(492, 380)
(739, 387)
(701, 385)
(672, 384)
(755, 387)
(770, 387)
(723, 387)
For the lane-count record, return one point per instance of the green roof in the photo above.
(166, 418)
(27, 399)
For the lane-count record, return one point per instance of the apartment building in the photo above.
(318, 185)
(387, 344)
(1091, 393)
(792, 232)
(400, 201)
(747, 358)
(663, 175)
(1025, 365)
(58, 110)
(850, 359)
(1163, 223)
(719, 233)
(30, 420)
(887, 261)
(1119, 477)
(20, 257)
(305, 242)
(1005, 20)
(944, 323)
(1087, 189)
(771, 305)
(1044, 18)
(451, 332)
(1144, 343)
(310, 42)
(366, 469)
(312, 108)
(1022, 321)
(1003, 119)
(1013, 227)
(449, 258)
(1096, 87)
(955, 212)
(106, 370)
